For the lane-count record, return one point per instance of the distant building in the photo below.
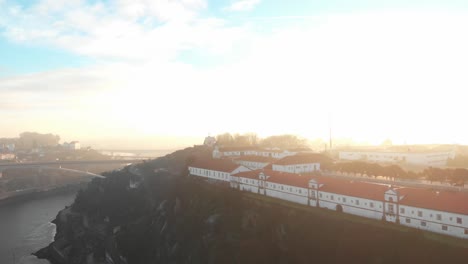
(216, 169)
(7, 156)
(303, 163)
(10, 147)
(426, 158)
(74, 145)
(230, 152)
(254, 162)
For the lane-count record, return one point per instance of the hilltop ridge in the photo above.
(154, 213)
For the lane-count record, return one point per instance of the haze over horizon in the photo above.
(175, 71)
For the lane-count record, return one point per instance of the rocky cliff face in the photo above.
(154, 213)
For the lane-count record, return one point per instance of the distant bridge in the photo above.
(59, 164)
(65, 162)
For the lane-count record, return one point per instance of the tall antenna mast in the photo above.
(330, 132)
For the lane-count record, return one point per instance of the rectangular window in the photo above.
(390, 208)
(331, 197)
(420, 214)
(312, 195)
(320, 195)
(357, 202)
(408, 220)
(371, 204)
(444, 227)
(466, 231)
(439, 217)
(402, 210)
(344, 199)
(459, 220)
(423, 223)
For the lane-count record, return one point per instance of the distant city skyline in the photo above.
(167, 73)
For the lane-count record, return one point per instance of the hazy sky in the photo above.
(139, 69)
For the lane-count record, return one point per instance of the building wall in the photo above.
(352, 205)
(297, 168)
(231, 153)
(420, 158)
(264, 153)
(426, 219)
(7, 156)
(286, 188)
(246, 184)
(429, 159)
(254, 165)
(288, 196)
(211, 174)
(280, 155)
(75, 146)
(250, 153)
(433, 220)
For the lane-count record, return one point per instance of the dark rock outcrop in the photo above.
(172, 218)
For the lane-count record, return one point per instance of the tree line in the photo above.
(252, 139)
(454, 176)
(29, 140)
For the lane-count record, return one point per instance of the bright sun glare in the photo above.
(396, 74)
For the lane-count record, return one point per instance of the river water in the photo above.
(25, 227)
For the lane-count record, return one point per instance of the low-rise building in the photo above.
(303, 163)
(442, 212)
(437, 211)
(426, 158)
(254, 162)
(216, 169)
(220, 152)
(7, 156)
(74, 145)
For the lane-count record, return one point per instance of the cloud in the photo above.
(243, 5)
(131, 30)
(379, 74)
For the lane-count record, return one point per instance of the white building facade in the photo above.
(220, 170)
(444, 213)
(299, 163)
(231, 152)
(435, 159)
(253, 162)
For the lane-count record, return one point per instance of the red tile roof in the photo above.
(361, 189)
(287, 178)
(224, 165)
(248, 174)
(447, 201)
(256, 159)
(304, 159)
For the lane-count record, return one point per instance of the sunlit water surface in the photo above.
(25, 227)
